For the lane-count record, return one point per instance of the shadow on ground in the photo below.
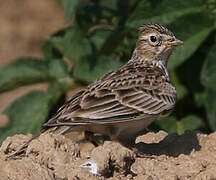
(172, 145)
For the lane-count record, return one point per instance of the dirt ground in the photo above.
(169, 157)
(25, 25)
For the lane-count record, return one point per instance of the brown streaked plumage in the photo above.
(124, 101)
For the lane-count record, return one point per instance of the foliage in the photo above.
(102, 38)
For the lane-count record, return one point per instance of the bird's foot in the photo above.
(89, 136)
(94, 139)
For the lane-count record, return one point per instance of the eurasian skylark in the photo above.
(125, 101)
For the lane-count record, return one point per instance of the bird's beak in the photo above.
(176, 42)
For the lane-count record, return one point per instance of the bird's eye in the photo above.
(153, 39)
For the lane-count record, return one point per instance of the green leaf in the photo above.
(49, 51)
(190, 46)
(29, 112)
(208, 79)
(58, 69)
(73, 44)
(200, 98)
(22, 71)
(55, 91)
(30, 70)
(210, 104)
(100, 37)
(112, 42)
(181, 89)
(171, 125)
(168, 124)
(87, 71)
(208, 74)
(199, 26)
(163, 12)
(70, 7)
(111, 4)
(190, 122)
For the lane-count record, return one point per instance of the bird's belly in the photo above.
(132, 128)
(125, 128)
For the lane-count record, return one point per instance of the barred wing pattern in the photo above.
(121, 95)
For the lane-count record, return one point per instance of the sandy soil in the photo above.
(171, 157)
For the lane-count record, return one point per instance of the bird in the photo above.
(124, 101)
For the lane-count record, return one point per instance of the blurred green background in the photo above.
(100, 36)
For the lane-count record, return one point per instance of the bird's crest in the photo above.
(157, 27)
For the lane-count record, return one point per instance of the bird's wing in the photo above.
(110, 105)
(117, 99)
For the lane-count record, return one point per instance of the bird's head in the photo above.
(156, 43)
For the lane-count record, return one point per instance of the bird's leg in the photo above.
(89, 136)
